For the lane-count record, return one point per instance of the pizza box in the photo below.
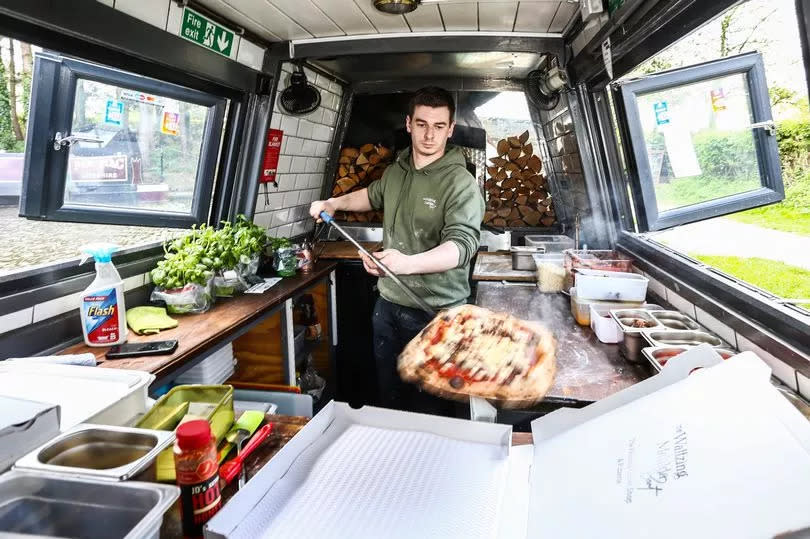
(24, 425)
(717, 454)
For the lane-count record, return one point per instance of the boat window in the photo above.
(703, 141)
(701, 159)
(108, 146)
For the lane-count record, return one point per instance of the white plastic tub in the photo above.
(84, 394)
(605, 328)
(610, 285)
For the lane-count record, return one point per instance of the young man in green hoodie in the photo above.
(431, 229)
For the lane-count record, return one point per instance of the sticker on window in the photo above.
(718, 100)
(661, 112)
(114, 112)
(170, 125)
(140, 97)
(102, 168)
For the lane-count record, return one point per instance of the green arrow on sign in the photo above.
(206, 33)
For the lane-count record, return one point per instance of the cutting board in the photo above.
(343, 250)
(498, 267)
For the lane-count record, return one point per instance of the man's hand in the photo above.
(318, 206)
(398, 263)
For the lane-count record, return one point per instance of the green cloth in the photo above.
(149, 320)
(425, 208)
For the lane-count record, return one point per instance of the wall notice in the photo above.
(272, 150)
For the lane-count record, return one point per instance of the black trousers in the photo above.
(394, 327)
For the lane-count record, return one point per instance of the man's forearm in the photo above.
(441, 258)
(357, 201)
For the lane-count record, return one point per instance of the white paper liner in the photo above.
(359, 481)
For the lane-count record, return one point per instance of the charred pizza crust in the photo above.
(470, 351)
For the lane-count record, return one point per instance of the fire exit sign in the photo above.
(206, 33)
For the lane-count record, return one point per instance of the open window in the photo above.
(702, 140)
(106, 146)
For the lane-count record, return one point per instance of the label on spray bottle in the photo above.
(101, 317)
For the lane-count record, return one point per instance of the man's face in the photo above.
(429, 128)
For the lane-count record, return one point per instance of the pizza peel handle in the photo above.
(328, 219)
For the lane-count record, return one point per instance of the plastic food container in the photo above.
(550, 272)
(610, 285)
(595, 260)
(551, 243)
(605, 328)
(34, 504)
(522, 257)
(581, 308)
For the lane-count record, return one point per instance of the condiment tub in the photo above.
(681, 338)
(100, 452)
(551, 243)
(607, 330)
(550, 272)
(581, 308)
(675, 320)
(44, 505)
(610, 285)
(635, 320)
(659, 355)
(522, 257)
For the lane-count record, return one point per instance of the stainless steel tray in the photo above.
(675, 320)
(100, 452)
(681, 338)
(625, 317)
(32, 503)
(522, 257)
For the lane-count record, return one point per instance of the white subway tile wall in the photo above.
(302, 164)
(16, 319)
(168, 16)
(716, 326)
(804, 385)
(779, 368)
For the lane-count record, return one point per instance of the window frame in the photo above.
(45, 173)
(771, 188)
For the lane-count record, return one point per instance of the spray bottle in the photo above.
(103, 313)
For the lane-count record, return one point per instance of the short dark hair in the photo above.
(432, 96)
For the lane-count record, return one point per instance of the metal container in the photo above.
(626, 318)
(101, 452)
(659, 355)
(522, 257)
(681, 338)
(220, 414)
(60, 506)
(630, 347)
(551, 243)
(675, 320)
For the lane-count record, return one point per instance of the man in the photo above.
(432, 218)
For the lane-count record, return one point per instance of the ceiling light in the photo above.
(396, 7)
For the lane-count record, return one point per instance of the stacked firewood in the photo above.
(517, 194)
(357, 168)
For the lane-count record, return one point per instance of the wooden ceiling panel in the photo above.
(425, 19)
(271, 18)
(347, 16)
(382, 22)
(497, 17)
(535, 16)
(460, 17)
(563, 17)
(309, 17)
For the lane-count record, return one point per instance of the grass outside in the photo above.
(778, 217)
(784, 280)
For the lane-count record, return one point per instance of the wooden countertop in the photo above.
(285, 427)
(343, 250)
(198, 333)
(587, 370)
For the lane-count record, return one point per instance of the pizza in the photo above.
(471, 351)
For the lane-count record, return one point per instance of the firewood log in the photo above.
(503, 146)
(523, 190)
(514, 214)
(535, 164)
(547, 221)
(498, 161)
(517, 223)
(361, 159)
(513, 154)
(489, 216)
(507, 194)
(350, 152)
(492, 171)
(511, 183)
(521, 199)
(525, 210)
(514, 142)
(499, 222)
(523, 137)
(528, 150)
(503, 212)
(366, 148)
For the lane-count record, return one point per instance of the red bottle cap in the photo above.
(194, 434)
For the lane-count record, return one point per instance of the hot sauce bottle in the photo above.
(196, 464)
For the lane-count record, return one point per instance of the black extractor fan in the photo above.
(300, 97)
(544, 86)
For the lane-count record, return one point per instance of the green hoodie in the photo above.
(425, 208)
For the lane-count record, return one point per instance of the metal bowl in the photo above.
(103, 452)
(681, 338)
(675, 320)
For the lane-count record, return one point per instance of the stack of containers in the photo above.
(606, 290)
(213, 370)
